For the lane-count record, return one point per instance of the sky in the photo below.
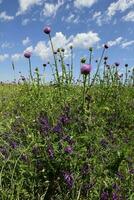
(80, 23)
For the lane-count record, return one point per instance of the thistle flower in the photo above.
(117, 64)
(85, 69)
(47, 30)
(106, 46)
(44, 65)
(90, 49)
(105, 58)
(104, 195)
(27, 54)
(126, 65)
(83, 60)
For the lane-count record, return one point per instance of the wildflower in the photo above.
(85, 69)
(64, 119)
(44, 65)
(4, 152)
(117, 64)
(13, 144)
(85, 169)
(104, 195)
(68, 139)
(106, 46)
(68, 179)
(126, 65)
(24, 158)
(58, 128)
(83, 60)
(47, 30)
(68, 150)
(27, 54)
(50, 151)
(44, 124)
(105, 58)
(91, 49)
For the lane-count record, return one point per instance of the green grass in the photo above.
(102, 141)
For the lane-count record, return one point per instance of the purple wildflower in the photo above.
(68, 139)
(68, 150)
(4, 152)
(44, 124)
(68, 179)
(85, 169)
(104, 143)
(106, 46)
(117, 64)
(47, 30)
(24, 158)
(104, 195)
(85, 69)
(115, 196)
(27, 54)
(50, 151)
(13, 144)
(58, 128)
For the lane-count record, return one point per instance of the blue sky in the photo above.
(81, 23)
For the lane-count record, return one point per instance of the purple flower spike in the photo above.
(68, 149)
(104, 196)
(47, 30)
(50, 152)
(68, 179)
(85, 69)
(27, 54)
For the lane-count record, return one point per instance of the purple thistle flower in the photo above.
(47, 30)
(27, 54)
(50, 151)
(68, 179)
(106, 46)
(68, 150)
(115, 196)
(85, 69)
(68, 139)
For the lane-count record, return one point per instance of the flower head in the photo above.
(106, 46)
(117, 64)
(85, 69)
(27, 54)
(47, 30)
(68, 150)
(68, 179)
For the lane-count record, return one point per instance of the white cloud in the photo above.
(17, 56)
(6, 45)
(30, 49)
(98, 17)
(81, 40)
(85, 40)
(129, 17)
(26, 41)
(115, 42)
(71, 19)
(3, 57)
(120, 5)
(51, 9)
(84, 3)
(25, 22)
(5, 17)
(25, 5)
(126, 44)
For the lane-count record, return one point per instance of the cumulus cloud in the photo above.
(129, 17)
(80, 40)
(26, 41)
(85, 40)
(51, 9)
(25, 22)
(120, 5)
(25, 5)
(3, 57)
(5, 17)
(84, 3)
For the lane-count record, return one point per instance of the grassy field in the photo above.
(52, 146)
